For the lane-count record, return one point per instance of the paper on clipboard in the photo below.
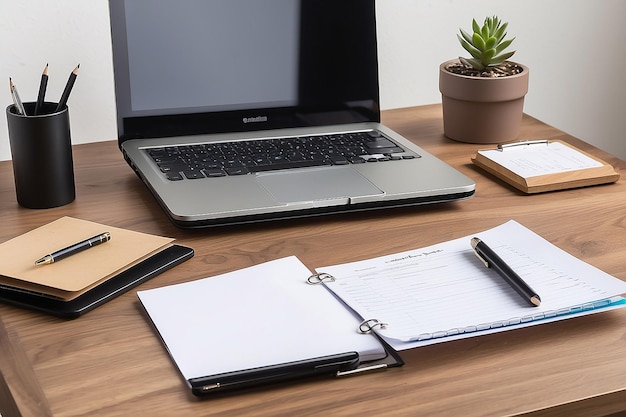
(540, 158)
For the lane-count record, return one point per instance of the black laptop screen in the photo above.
(205, 66)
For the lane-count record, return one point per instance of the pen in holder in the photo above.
(41, 151)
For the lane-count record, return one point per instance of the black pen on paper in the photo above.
(74, 249)
(42, 90)
(17, 101)
(492, 260)
(68, 89)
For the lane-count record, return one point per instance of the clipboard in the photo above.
(541, 165)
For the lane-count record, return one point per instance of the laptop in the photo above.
(239, 111)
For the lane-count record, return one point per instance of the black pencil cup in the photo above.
(41, 151)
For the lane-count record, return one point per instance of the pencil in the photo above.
(17, 101)
(68, 89)
(42, 90)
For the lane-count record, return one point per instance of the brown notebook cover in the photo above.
(75, 285)
(72, 276)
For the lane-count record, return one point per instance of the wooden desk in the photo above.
(109, 362)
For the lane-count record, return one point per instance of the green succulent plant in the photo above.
(486, 44)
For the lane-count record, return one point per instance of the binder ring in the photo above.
(319, 278)
(367, 326)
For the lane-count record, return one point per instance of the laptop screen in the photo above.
(196, 66)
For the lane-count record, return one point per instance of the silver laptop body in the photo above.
(190, 74)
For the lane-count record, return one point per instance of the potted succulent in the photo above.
(483, 96)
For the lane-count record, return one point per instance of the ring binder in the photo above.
(280, 351)
(367, 326)
(319, 278)
(420, 309)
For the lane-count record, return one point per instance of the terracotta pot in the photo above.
(482, 110)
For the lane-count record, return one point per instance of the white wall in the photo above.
(574, 48)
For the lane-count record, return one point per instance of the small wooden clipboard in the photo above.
(540, 166)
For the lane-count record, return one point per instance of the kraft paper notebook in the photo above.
(541, 165)
(77, 284)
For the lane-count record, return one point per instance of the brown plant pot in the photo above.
(480, 109)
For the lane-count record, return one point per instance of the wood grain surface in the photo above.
(110, 363)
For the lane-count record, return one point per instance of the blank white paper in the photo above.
(258, 316)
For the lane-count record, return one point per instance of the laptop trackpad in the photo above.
(316, 184)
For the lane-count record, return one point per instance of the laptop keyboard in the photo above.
(213, 160)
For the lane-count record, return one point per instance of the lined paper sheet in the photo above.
(444, 292)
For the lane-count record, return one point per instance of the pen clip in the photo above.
(502, 147)
(474, 242)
